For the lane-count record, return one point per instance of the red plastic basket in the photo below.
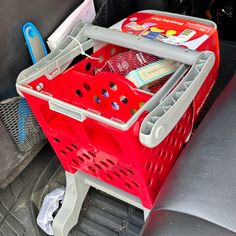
(98, 148)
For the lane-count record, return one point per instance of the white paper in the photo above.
(85, 12)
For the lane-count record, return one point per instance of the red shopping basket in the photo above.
(101, 124)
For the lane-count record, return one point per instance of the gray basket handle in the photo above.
(57, 61)
(161, 120)
(139, 43)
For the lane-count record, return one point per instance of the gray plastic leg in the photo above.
(67, 217)
(146, 213)
(77, 187)
(113, 191)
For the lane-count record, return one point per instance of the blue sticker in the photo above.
(152, 35)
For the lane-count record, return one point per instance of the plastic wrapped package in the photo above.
(145, 71)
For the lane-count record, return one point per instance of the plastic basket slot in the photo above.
(166, 108)
(92, 169)
(98, 166)
(75, 163)
(199, 66)
(158, 167)
(81, 159)
(105, 93)
(123, 173)
(125, 100)
(148, 166)
(91, 153)
(110, 162)
(63, 152)
(173, 99)
(116, 174)
(109, 177)
(170, 157)
(104, 164)
(127, 185)
(150, 182)
(154, 119)
(130, 172)
(201, 60)
(149, 126)
(86, 156)
(68, 149)
(178, 94)
(74, 146)
(57, 140)
(188, 83)
(154, 169)
(135, 184)
(165, 155)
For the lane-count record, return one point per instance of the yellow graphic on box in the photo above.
(157, 30)
(171, 32)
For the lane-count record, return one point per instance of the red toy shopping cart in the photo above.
(100, 123)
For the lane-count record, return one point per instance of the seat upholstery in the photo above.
(171, 223)
(200, 193)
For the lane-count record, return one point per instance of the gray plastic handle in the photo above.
(139, 43)
(161, 120)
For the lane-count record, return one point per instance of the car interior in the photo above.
(198, 195)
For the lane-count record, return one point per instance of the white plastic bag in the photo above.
(49, 206)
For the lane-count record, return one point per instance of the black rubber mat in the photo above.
(16, 205)
(104, 215)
